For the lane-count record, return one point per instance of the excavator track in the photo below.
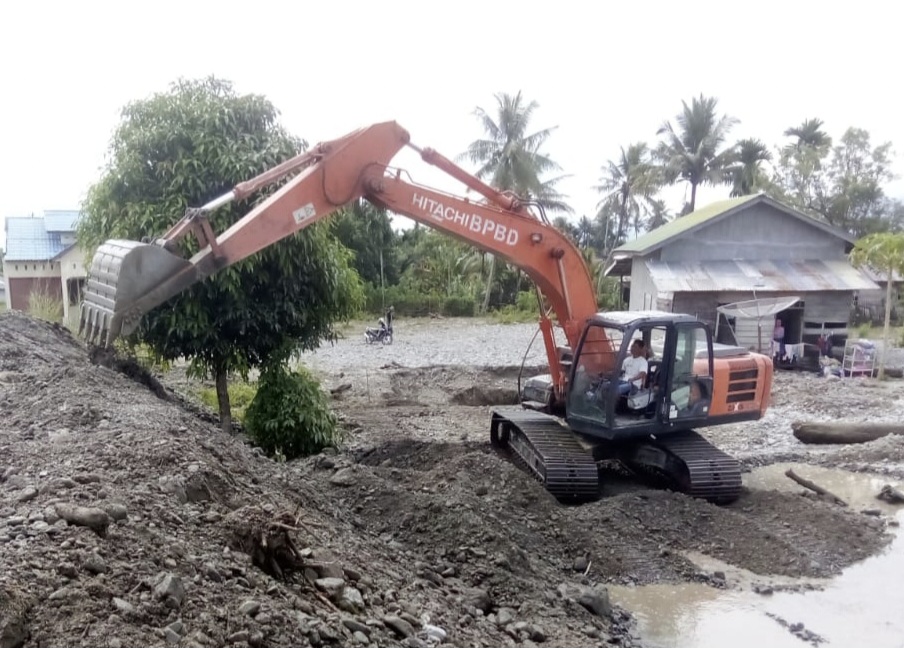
(548, 451)
(683, 461)
(691, 465)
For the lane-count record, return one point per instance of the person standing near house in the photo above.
(778, 335)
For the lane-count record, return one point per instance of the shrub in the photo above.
(459, 306)
(290, 415)
(409, 302)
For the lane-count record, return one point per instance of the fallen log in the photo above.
(891, 495)
(835, 433)
(816, 488)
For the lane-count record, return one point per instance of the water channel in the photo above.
(864, 606)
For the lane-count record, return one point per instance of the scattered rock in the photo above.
(344, 477)
(169, 589)
(94, 518)
(401, 627)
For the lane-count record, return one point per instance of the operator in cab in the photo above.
(634, 369)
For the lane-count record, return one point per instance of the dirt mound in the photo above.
(127, 520)
(450, 502)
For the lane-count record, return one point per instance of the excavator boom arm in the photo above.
(334, 174)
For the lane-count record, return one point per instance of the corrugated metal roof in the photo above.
(682, 224)
(28, 240)
(878, 276)
(60, 220)
(762, 276)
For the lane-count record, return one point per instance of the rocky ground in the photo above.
(128, 518)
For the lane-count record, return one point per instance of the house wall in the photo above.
(31, 268)
(823, 312)
(759, 232)
(20, 288)
(72, 274)
(874, 300)
(643, 294)
(22, 277)
(72, 264)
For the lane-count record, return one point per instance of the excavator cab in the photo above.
(674, 394)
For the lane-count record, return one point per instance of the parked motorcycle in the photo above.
(383, 332)
(377, 334)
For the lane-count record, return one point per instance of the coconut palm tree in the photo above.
(809, 133)
(629, 185)
(509, 158)
(694, 151)
(746, 173)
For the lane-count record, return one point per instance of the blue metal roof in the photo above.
(27, 239)
(60, 220)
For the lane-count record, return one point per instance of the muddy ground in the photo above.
(130, 519)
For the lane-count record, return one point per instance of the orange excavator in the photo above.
(580, 413)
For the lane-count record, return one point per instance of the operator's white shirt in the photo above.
(633, 366)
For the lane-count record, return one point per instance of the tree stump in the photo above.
(267, 538)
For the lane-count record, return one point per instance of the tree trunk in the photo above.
(831, 433)
(887, 327)
(693, 196)
(223, 401)
(486, 297)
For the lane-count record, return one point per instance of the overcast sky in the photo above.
(605, 73)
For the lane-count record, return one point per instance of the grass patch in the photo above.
(513, 315)
(240, 396)
(867, 332)
(43, 305)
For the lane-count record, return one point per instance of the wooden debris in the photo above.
(839, 433)
(816, 488)
(267, 539)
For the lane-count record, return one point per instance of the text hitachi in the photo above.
(473, 222)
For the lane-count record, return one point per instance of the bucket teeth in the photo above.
(97, 325)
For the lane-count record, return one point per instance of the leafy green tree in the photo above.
(747, 175)
(842, 184)
(182, 148)
(695, 151)
(509, 158)
(629, 186)
(366, 230)
(883, 252)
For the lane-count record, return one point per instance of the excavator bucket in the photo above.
(126, 280)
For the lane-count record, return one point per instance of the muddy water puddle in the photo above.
(862, 606)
